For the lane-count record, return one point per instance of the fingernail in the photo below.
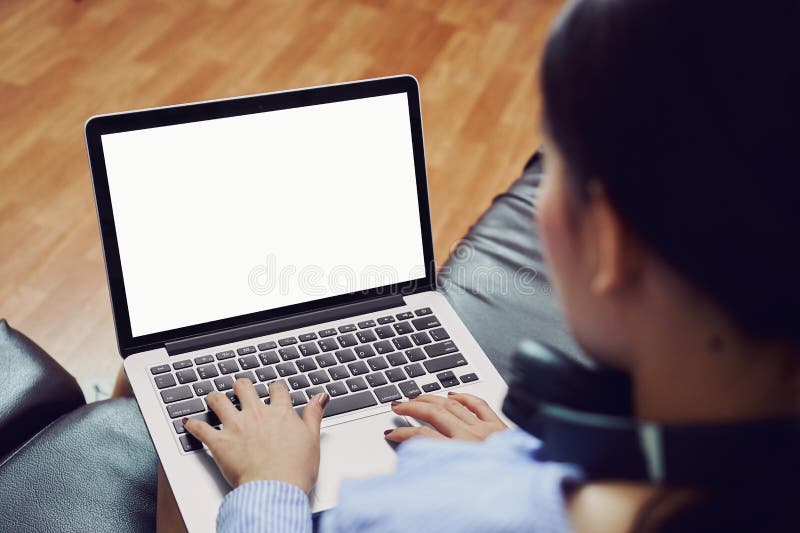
(413, 395)
(386, 432)
(184, 419)
(450, 393)
(323, 398)
(395, 403)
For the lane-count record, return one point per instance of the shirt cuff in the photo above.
(273, 506)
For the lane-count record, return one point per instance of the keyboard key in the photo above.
(269, 358)
(327, 332)
(298, 382)
(385, 320)
(307, 364)
(351, 402)
(269, 345)
(395, 374)
(160, 369)
(318, 377)
(336, 389)
(298, 398)
(448, 379)
(246, 375)
(405, 316)
(347, 328)
(415, 370)
(286, 341)
(426, 322)
(338, 372)
(325, 360)
(186, 376)
(165, 380)
(345, 356)
(176, 394)
(202, 388)
(234, 399)
(378, 363)
(366, 336)
(248, 362)
(388, 393)
(402, 343)
(376, 380)
(440, 348)
(289, 353)
(450, 382)
(409, 389)
(305, 337)
(396, 359)
(225, 355)
(224, 383)
(313, 391)
(189, 407)
(383, 347)
(327, 345)
(444, 362)
(286, 369)
(424, 311)
(356, 384)
(415, 354)
(207, 371)
(182, 364)
(204, 359)
(366, 324)
(364, 351)
(228, 366)
(431, 387)
(439, 334)
(266, 374)
(347, 340)
(468, 378)
(244, 350)
(403, 328)
(208, 417)
(420, 338)
(261, 390)
(384, 332)
(190, 443)
(358, 368)
(309, 348)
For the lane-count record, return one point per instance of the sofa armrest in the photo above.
(36, 390)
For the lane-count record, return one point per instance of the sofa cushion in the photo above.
(92, 470)
(496, 279)
(36, 390)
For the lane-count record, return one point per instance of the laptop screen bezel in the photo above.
(209, 110)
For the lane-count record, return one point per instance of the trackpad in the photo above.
(354, 449)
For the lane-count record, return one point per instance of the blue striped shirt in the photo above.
(439, 485)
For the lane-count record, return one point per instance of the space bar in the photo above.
(349, 402)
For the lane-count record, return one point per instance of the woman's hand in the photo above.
(263, 441)
(459, 416)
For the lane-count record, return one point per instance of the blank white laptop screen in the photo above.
(225, 217)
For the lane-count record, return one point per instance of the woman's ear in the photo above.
(617, 252)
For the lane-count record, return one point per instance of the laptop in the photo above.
(281, 236)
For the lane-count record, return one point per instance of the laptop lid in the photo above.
(226, 213)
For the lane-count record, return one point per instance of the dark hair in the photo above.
(686, 111)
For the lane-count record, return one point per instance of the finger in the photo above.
(279, 395)
(312, 414)
(405, 433)
(476, 405)
(247, 394)
(222, 407)
(440, 418)
(461, 412)
(202, 431)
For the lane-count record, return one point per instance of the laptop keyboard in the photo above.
(360, 365)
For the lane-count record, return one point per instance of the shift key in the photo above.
(445, 362)
(189, 407)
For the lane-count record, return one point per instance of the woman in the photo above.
(668, 218)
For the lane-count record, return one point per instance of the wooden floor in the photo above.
(62, 61)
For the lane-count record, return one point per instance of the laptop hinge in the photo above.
(311, 318)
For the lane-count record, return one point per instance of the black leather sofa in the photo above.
(65, 466)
